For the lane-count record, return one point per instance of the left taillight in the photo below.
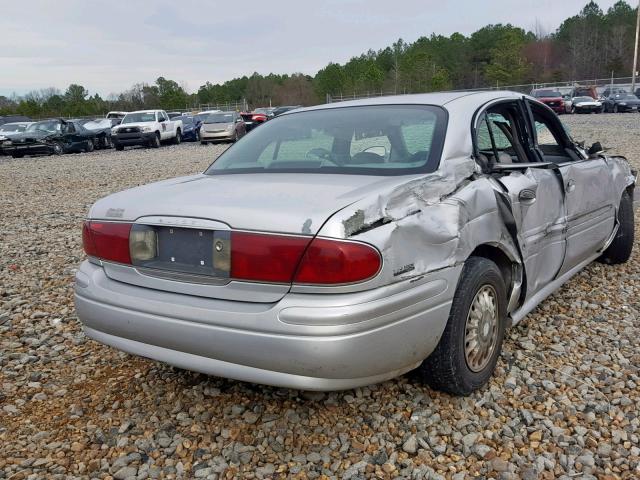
(107, 241)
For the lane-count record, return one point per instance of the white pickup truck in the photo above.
(146, 127)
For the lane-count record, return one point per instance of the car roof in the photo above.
(461, 107)
(443, 99)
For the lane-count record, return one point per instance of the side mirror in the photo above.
(595, 149)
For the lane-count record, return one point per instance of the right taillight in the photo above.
(265, 258)
(328, 262)
(293, 259)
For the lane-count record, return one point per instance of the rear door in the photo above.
(587, 185)
(534, 195)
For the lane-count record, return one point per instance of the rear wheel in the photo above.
(197, 135)
(615, 108)
(467, 353)
(178, 137)
(17, 155)
(90, 146)
(202, 142)
(620, 249)
(119, 147)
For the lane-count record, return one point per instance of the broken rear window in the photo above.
(367, 140)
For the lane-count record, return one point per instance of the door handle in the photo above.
(571, 185)
(527, 196)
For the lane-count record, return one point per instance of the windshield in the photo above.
(546, 93)
(12, 127)
(628, 96)
(46, 125)
(139, 117)
(583, 99)
(264, 111)
(220, 118)
(115, 115)
(370, 140)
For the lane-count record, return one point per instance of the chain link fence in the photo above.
(601, 84)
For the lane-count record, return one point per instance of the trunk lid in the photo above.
(274, 202)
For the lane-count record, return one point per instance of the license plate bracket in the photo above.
(189, 250)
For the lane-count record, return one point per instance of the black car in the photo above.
(101, 128)
(49, 137)
(621, 102)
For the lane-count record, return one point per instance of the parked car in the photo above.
(191, 128)
(7, 129)
(49, 137)
(13, 119)
(585, 91)
(586, 105)
(552, 98)
(609, 91)
(148, 128)
(280, 110)
(253, 119)
(344, 244)
(101, 128)
(267, 111)
(116, 115)
(621, 102)
(225, 126)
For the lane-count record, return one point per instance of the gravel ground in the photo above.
(563, 402)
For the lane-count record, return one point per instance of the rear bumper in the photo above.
(305, 341)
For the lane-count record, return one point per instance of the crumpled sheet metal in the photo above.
(428, 223)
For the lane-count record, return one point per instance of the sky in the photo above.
(107, 46)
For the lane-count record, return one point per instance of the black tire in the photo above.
(119, 147)
(17, 155)
(155, 142)
(615, 108)
(197, 135)
(178, 137)
(448, 368)
(90, 146)
(57, 149)
(620, 249)
(202, 142)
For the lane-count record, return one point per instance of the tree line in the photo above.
(590, 44)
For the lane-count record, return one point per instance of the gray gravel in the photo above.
(562, 404)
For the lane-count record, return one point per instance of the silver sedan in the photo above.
(345, 244)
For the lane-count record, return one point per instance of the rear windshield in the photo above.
(546, 93)
(369, 140)
(219, 118)
(583, 99)
(139, 117)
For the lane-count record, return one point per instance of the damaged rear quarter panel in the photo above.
(425, 224)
